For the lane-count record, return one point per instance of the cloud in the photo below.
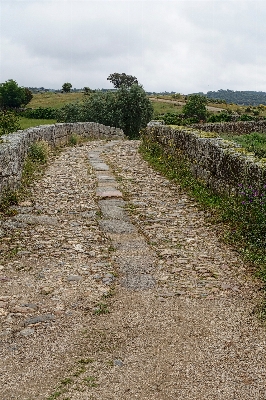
(184, 46)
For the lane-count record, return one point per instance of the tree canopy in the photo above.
(66, 87)
(13, 96)
(195, 107)
(119, 80)
(128, 108)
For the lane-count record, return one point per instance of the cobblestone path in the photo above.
(114, 286)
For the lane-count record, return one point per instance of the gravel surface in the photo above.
(114, 286)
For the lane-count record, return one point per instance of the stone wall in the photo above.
(222, 165)
(236, 128)
(14, 147)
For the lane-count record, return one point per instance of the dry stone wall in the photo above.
(14, 147)
(222, 165)
(236, 128)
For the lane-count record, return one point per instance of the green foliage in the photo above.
(41, 113)
(119, 80)
(90, 381)
(87, 90)
(223, 116)
(29, 122)
(127, 108)
(174, 119)
(9, 122)
(12, 95)
(246, 97)
(101, 308)
(253, 142)
(195, 107)
(66, 87)
(74, 139)
(28, 95)
(39, 151)
(8, 198)
(133, 110)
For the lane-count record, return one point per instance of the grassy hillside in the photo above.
(55, 100)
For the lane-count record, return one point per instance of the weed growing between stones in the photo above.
(75, 139)
(242, 217)
(100, 309)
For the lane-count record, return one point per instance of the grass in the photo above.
(55, 100)
(241, 220)
(30, 123)
(163, 108)
(100, 309)
(252, 142)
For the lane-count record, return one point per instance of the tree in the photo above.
(127, 108)
(12, 95)
(66, 87)
(28, 95)
(195, 107)
(135, 109)
(9, 122)
(123, 79)
(87, 90)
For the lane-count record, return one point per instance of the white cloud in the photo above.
(185, 46)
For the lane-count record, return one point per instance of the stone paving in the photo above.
(114, 286)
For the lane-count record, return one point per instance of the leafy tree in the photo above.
(123, 79)
(195, 107)
(87, 90)
(134, 109)
(66, 87)
(127, 108)
(28, 95)
(9, 122)
(12, 95)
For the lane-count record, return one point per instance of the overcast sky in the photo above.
(169, 45)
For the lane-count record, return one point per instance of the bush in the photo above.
(224, 116)
(39, 151)
(13, 96)
(9, 122)
(127, 108)
(196, 107)
(41, 113)
(254, 142)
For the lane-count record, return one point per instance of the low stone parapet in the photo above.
(222, 165)
(14, 147)
(236, 128)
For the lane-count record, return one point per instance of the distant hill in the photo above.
(245, 97)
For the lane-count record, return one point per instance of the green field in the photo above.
(55, 100)
(29, 123)
(253, 142)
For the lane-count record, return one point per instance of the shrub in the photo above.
(39, 151)
(13, 96)
(9, 122)
(41, 113)
(196, 107)
(127, 108)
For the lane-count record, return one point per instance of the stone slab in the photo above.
(36, 219)
(105, 193)
(136, 264)
(98, 166)
(138, 282)
(116, 226)
(106, 178)
(112, 209)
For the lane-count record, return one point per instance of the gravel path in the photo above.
(114, 286)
